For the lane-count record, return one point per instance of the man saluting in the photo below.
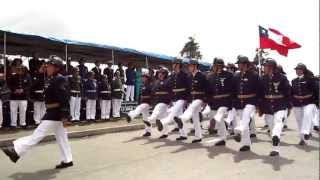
(56, 99)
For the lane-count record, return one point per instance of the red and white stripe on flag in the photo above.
(275, 40)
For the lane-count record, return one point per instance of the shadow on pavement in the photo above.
(45, 174)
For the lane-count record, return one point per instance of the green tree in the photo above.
(191, 49)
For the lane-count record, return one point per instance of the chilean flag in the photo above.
(273, 39)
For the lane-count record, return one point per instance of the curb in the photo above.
(85, 133)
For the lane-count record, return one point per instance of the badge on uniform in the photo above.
(276, 86)
(222, 81)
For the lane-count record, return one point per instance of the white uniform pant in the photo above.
(75, 105)
(159, 112)
(252, 125)
(39, 109)
(1, 114)
(22, 145)
(243, 124)
(130, 93)
(144, 110)
(116, 105)
(193, 111)
(304, 117)
(91, 109)
(14, 106)
(218, 115)
(315, 119)
(275, 123)
(105, 106)
(175, 111)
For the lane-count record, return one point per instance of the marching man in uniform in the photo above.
(179, 83)
(219, 97)
(144, 106)
(305, 95)
(162, 96)
(56, 99)
(276, 101)
(247, 91)
(198, 95)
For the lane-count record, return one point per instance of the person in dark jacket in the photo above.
(56, 99)
(83, 70)
(247, 96)
(161, 92)
(131, 78)
(97, 71)
(276, 100)
(220, 92)
(104, 87)
(199, 88)
(37, 95)
(117, 92)
(180, 88)
(144, 105)
(76, 91)
(108, 71)
(91, 95)
(305, 96)
(19, 83)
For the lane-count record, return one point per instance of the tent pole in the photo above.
(112, 55)
(147, 62)
(66, 51)
(4, 55)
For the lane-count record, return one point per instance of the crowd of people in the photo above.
(89, 91)
(229, 97)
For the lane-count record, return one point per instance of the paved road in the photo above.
(126, 156)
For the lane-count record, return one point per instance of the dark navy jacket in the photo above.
(304, 91)
(57, 93)
(146, 94)
(91, 89)
(199, 86)
(104, 90)
(162, 92)
(83, 71)
(247, 84)
(221, 89)
(76, 86)
(180, 85)
(17, 81)
(276, 93)
(131, 77)
(38, 86)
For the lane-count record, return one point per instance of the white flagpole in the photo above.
(66, 51)
(4, 55)
(147, 62)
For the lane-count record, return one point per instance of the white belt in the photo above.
(105, 91)
(73, 91)
(39, 91)
(117, 90)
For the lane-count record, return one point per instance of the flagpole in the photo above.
(4, 54)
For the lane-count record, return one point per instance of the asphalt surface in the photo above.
(128, 156)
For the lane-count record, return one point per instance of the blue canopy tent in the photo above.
(30, 45)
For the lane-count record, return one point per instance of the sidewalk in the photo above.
(77, 131)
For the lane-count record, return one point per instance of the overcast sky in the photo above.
(224, 28)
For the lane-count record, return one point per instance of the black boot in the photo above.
(307, 136)
(147, 123)
(221, 143)
(64, 165)
(181, 138)
(244, 148)
(159, 125)
(196, 140)
(275, 141)
(146, 134)
(316, 128)
(274, 153)
(302, 143)
(163, 136)
(179, 122)
(11, 153)
(128, 118)
(237, 137)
